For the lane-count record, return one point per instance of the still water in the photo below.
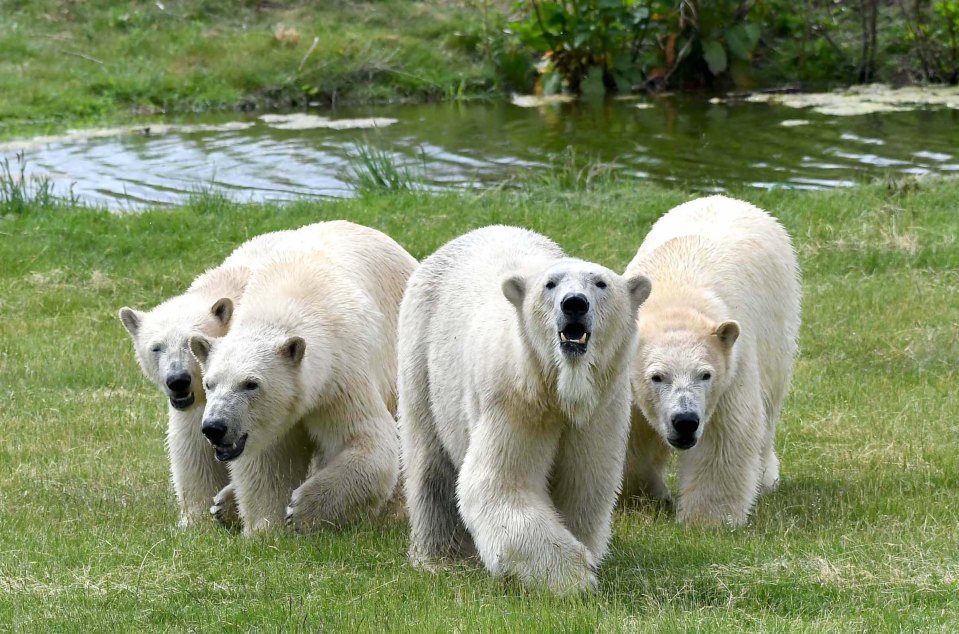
(688, 141)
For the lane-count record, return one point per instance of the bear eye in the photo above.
(550, 285)
(207, 386)
(706, 376)
(156, 348)
(601, 284)
(250, 385)
(656, 378)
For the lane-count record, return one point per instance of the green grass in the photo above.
(860, 537)
(64, 62)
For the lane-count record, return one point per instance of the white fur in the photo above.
(161, 343)
(725, 302)
(507, 442)
(316, 332)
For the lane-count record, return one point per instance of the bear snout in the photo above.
(574, 305)
(179, 383)
(214, 430)
(684, 425)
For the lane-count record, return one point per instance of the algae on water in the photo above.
(859, 100)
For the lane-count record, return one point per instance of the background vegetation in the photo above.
(64, 62)
(860, 537)
(657, 44)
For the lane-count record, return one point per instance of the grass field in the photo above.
(64, 62)
(861, 536)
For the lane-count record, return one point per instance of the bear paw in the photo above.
(225, 509)
(770, 479)
(306, 514)
(573, 576)
(565, 570)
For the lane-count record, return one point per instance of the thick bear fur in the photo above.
(307, 373)
(718, 339)
(513, 440)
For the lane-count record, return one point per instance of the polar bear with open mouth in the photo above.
(514, 405)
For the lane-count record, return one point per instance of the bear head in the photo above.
(253, 379)
(161, 340)
(578, 318)
(681, 369)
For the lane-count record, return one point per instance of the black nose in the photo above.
(686, 423)
(574, 305)
(178, 383)
(214, 430)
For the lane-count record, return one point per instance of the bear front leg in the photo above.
(646, 458)
(359, 478)
(196, 474)
(719, 478)
(588, 471)
(264, 481)
(506, 505)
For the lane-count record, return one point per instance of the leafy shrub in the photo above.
(648, 41)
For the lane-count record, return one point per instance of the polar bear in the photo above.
(514, 405)
(161, 343)
(718, 338)
(307, 372)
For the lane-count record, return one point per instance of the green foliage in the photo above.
(570, 172)
(375, 170)
(21, 192)
(629, 41)
(575, 36)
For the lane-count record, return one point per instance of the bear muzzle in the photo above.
(573, 338)
(574, 324)
(178, 390)
(684, 426)
(216, 432)
(226, 453)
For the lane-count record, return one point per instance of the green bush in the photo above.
(641, 41)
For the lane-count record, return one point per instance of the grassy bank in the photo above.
(67, 63)
(860, 537)
(70, 63)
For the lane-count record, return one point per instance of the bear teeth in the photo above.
(563, 337)
(582, 339)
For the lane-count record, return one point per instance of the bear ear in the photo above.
(514, 288)
(131, 319)
(200, 346)
(727, 332)
(223, 310)
(639, 288)
(293, 349)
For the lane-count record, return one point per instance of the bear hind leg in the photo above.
(437, 532)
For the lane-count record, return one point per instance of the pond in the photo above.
(678, 140)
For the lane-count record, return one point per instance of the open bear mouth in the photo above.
(573, 338)
(682, 443)
(182, 402)
(226, 453)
